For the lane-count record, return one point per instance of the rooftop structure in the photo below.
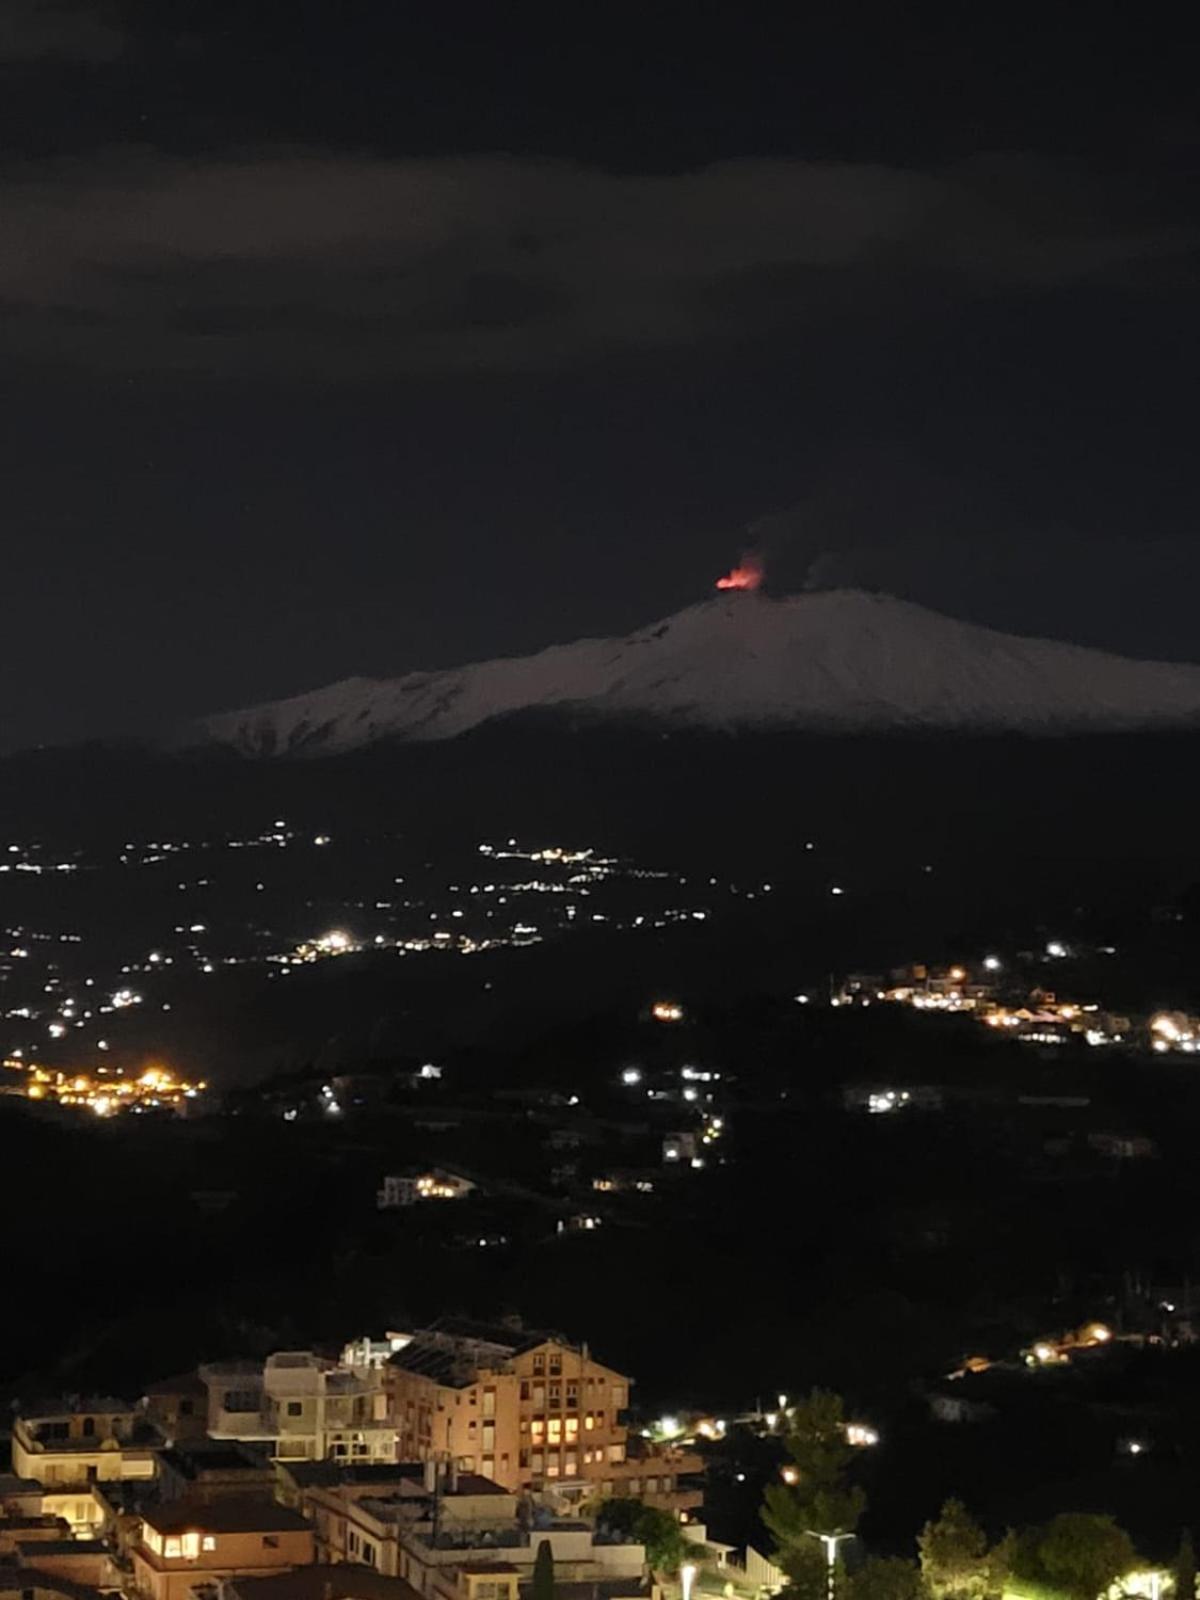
(186, 1541)
(80, 1441)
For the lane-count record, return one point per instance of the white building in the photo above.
(303, 1407)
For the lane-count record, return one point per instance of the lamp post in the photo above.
(831, 1542)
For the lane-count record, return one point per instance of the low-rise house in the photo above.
(236, 1400)
(680, 1147)
(184, 1544)
(81, 1506)
(297, 1481)
(29, 1583)
(625, 1180)
(206, 1469)
(321, 1582)
(1122, 1146)
(84, 1561)
(16, 1531)
(360, 1517)
(19, 1497)
(77, 1442)
(878, 1098)
(449, 1562)
(448, 1533)
(302, 1407)
(435, 1183)
(178, 1406)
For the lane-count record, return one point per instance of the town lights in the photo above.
(631, 1075)
(789, 1475)
(666, 1011)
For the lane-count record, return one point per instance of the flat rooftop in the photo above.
(345, 1581)
(228, 1514)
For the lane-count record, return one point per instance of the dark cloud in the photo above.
(57, 30)
(885, 519)
(297, 262)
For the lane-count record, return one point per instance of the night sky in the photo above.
(353, 337)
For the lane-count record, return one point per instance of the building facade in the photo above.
(72, 1444)
(185, 1544)
(302, 1407)
(527, 1410)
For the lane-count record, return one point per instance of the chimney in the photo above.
(431, 1475)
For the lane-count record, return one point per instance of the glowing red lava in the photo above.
(747, 575)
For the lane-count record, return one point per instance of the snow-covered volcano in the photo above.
(838, 660)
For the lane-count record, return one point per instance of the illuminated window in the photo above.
(572, 1428)
(538, 1430)
(589, 1422)
(208, 1542)
(555, 1430)
(172, 1549)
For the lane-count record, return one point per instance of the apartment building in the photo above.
(526, 1409)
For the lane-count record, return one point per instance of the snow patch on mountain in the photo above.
(837, 660)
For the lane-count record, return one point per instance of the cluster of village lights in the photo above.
(1043, 1020)
(1057, 1352)
(107, 1093)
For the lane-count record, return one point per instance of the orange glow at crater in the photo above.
(747, 575)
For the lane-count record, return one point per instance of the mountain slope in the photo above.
(838, 660)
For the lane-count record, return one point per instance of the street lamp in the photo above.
(831, 1542)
